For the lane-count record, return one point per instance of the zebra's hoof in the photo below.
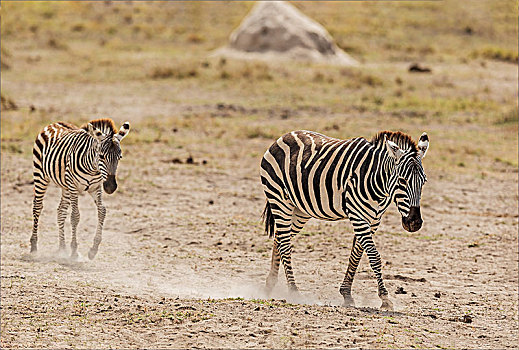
(270, 284)
(348, 301)
(292, 289)
(386, 305)
(294, 296)
(267, 290)
(62, 253)
(92, 254)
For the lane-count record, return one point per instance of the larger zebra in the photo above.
(77, 160)
(309, 175)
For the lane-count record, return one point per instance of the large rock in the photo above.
(276, 29)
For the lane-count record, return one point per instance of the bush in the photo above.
(181, 71)
(498, 54)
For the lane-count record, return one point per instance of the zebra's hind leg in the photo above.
(355, 256)
(282, 214)
(101, 213)
(285, 252)
(74, 220)
(298, 220)
(272, 278)
(62, 216)
(40, 187)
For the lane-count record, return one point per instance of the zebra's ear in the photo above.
(393, 150)
(90, 129)
(123, 131)
(423, 145)
(94, 132)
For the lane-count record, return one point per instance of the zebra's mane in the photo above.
(404, 141)
(106, 125)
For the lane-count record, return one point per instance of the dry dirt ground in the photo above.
(184, 258)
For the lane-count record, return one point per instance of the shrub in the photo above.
(498, 54)
(180, 71)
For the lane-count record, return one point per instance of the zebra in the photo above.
(76, 160)
(309, 175)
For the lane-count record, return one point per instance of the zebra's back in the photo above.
(312, 170)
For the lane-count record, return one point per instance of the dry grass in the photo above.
(370, 31)
(499, 54)
(154, 58)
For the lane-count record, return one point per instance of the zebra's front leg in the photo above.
(62, 216)
(74, 220)
(272, 278)
(101, 214)
(355, 256)
(366, 241)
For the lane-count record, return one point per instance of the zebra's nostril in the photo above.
(109, 188)
(415, 226)
(411, 225)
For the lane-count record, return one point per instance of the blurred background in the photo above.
(150, 62)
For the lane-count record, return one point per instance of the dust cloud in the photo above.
(181, 281)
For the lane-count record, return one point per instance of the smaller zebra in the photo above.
(77, 160)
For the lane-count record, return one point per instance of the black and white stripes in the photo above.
(77, 160)
(308, 175)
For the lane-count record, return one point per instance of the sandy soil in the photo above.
(184, 258)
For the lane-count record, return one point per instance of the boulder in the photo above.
(277, 30)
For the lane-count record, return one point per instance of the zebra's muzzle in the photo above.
(413, 222)
(110, 185)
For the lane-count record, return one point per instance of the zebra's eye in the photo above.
(102, 156)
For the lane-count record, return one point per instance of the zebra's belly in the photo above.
(326, 206)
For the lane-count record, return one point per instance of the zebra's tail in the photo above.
(268, 219)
